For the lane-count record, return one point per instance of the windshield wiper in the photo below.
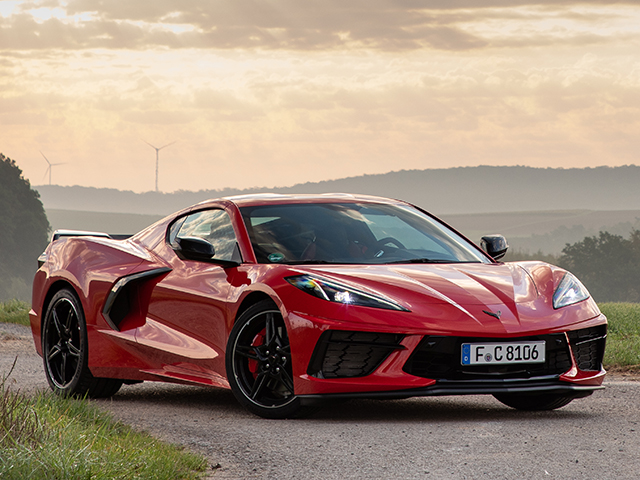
(312, 262)
(422, 260)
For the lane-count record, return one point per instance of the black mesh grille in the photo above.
(439, 357)
(342, 354)
(588, 346)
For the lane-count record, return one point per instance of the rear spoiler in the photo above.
(78, 233)
(83, 233)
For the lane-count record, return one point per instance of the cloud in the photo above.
(224, 105)
(284, 91)
(24, 118)
(291, 24)
(158, 117)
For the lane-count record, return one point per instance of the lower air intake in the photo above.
(588, 347)
(343, 354)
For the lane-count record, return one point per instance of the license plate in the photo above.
(503, 353)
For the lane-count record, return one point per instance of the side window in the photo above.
(213, 226)
(173, 231)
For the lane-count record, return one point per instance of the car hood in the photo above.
(501, 297)
(462, 284)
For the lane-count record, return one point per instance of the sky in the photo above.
(278, 92)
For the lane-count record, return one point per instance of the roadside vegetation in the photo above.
(14, 311)
(623, 336)
(50, 437)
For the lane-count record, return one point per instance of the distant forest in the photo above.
(552, 243)
(607, 264)
(24, 229)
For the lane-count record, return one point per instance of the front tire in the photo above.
(258, 363)
(65, 350)
(548, 401)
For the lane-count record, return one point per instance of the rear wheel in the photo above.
(258, 362)
(548, 401)
(65, 350)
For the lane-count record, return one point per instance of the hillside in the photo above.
(545, 231)
(461, 190)
(120, 223)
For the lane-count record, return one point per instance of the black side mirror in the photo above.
(495, 245)
(195, 248)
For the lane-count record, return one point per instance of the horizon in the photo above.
(286, 92)
(441, 191)
(277, 187)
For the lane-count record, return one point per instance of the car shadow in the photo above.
(222, 403)
(478, 408)
(167, 394)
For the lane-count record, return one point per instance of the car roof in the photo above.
(258, 199)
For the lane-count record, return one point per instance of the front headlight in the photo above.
(569, 291)
(339, 293)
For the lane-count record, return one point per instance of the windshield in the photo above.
(353, 233)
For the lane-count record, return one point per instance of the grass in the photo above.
(623, 336)
(14, 311)
(50, 437)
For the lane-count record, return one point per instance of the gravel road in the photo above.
(447, 437)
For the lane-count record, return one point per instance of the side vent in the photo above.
(123, 296)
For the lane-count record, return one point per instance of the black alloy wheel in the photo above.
(65, 352)
(258, 362)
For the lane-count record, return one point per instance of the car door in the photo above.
(187, 318)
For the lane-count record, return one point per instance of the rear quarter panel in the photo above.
(89, 267)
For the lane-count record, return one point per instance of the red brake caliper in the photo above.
(258, 340)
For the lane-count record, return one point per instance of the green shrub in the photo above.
(14, 311)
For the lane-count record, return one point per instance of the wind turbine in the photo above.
(158, 150)
(50, 167)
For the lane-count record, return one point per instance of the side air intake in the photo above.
(123, 296)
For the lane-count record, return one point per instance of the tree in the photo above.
(23, 229)
(608, 265)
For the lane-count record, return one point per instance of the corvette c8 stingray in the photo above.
(294, 300)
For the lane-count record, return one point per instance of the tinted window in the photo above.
(213, 226)
(352, 233)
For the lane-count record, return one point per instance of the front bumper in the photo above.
(382, 363)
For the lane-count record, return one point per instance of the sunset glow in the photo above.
(287, 91)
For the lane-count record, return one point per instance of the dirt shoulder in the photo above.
(15, 338)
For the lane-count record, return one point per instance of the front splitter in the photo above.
(539, 386)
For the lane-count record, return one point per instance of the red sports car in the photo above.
(294, 300)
